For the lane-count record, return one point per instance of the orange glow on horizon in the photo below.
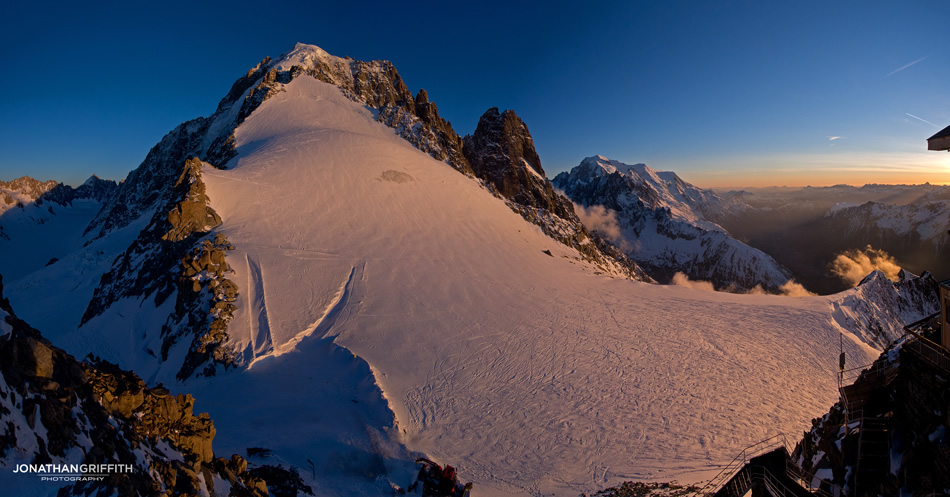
(908, 169)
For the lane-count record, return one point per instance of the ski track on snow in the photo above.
(262, 342)
(321, 328)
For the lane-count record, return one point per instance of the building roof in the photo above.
(942, 133)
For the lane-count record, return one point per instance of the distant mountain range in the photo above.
(805, 229)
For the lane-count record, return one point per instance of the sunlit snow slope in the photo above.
(528, 372)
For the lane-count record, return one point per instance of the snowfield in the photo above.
(530, 373)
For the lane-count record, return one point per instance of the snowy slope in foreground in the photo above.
(528, 372)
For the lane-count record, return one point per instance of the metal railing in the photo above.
(929, 352)
(731, 469)
(741, 475)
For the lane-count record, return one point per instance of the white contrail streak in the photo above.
(901, 68)
(922, 120)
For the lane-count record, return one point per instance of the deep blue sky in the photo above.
(724, 93)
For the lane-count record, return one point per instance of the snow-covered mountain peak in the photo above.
(656, 189)
(309, 57)
(876, 277)
(595, 166)
(877, 310)
(91, 181)
(600, 165)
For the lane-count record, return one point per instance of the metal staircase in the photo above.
(766, 466)
(874, 458)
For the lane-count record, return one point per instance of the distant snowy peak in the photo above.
(26, 191)
(22, 191)
(28, 187)
(666, 225)
(598, 175)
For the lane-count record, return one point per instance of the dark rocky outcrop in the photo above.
(57, 410)
(282, 482)
(645, 489)
(419, 123)
(171, 254)
(191, 214)
(502, 153)
(148, 185)
(204, 307)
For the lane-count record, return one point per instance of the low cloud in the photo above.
(680, 279)
(853, 265)
(790, 288)
(604, 221)
(833, 138)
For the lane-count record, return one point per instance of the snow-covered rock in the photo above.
(877, 310)
(22, 191)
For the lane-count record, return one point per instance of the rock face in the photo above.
(421, 125)
(502, 153)
(663, 224)
(175, 253)
(57, 410)
(203, 308)
(191, 214)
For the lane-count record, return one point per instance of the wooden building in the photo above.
(940, 141)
